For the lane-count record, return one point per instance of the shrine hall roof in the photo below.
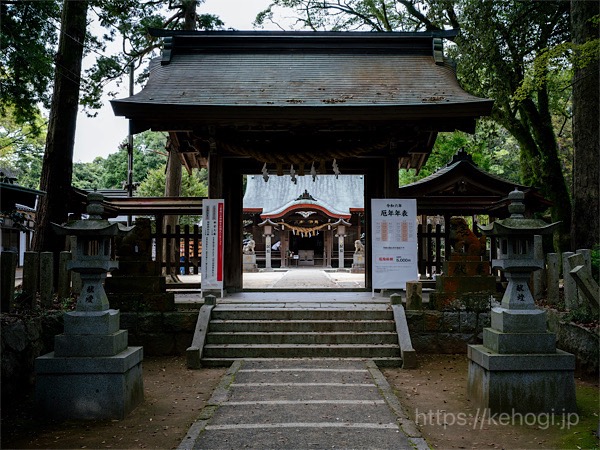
(461, 187)
(336, 197)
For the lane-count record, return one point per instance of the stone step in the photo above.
(301, 351)
(314, 337)
(226, 362)
(236, 313)
(223, 326)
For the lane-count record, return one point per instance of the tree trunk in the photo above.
(585, 229)
(174, 171)
(57, 169)
(547, 166)
(173, 189)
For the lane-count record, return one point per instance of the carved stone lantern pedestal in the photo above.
(92, 373)
(518, 369)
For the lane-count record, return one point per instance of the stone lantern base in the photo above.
(249, 262)
(518, 368)
(92, 373)
(358, 263)
(513, 383)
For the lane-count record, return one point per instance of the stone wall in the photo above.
(170, 333)
(22, 340)
(25, 338)
(160, 333)
(446, 331)
(573, 338)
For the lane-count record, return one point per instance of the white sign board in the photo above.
(394, 242)
(212, 245)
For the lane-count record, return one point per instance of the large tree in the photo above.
(585, 17)
(497, 44)
(57, 169)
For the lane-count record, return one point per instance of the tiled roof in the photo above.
(286, 72)
(336, 195)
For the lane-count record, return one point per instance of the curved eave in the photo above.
(447, 176)
(168, 117)
(295, 206)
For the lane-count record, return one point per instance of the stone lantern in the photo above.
(92, 259)
(92, 373)
(518, 368)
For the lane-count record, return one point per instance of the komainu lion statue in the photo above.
(358, 246)
(248, 248)
(463, 240)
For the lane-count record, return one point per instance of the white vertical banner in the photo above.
(211, 268)
(393, 242)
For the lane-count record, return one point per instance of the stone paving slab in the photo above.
(303, 404)
(308, 392)
(353, 411)
(304, 376)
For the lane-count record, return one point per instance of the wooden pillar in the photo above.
(390, 175)
(284, 235)
(328, 246)
(215, 175)
(231, 186)
(374, 188)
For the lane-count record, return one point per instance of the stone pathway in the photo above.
(303, 279)
(303, 404)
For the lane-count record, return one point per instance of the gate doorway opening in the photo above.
(305, 222)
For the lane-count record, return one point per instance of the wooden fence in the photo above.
(184, 245)
(431, 248)
(182, 249)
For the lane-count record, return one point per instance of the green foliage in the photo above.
(88, 175)
(111, 173)
(582, 315)
(491, 148)
(192, 185)
(130, 20)
(28, 37)
(22, 147)
(582, 434)
(367, 15)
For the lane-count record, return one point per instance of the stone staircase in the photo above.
(254, 332)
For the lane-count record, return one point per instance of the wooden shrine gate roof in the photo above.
(298, 97)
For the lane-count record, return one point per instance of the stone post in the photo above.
(569, 286)
(552, 276)
(579, 259)
(285, 246)
(64, 278)
(31, 274)
(341, 234)
(7, 289)
(586, 253)
(539, 275)
(268, 236)
(46, 278)
(414, 295)
(76, 283)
